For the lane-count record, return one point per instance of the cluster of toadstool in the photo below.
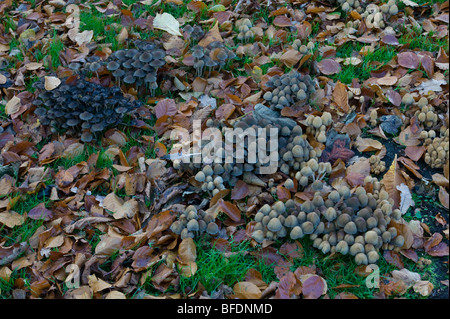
(214, 55)
(437, 154)
(82, 107)
(350, 5)
(194, 32)
(377, 166)
(288, 89)
(193, 222)
(244, 27)
(374, 16)
(317, 125)
(426, 114)
(138, 66)
(303, 49)
(342, 221)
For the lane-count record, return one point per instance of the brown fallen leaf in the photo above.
(246, 290)
(329, 66)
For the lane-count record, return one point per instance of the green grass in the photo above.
(215, 270)
(28, 228)
(427, 42)
(340, 271)
(54, 50)
(362, 71)
(7, 287)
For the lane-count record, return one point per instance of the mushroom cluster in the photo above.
(214, 55)
(288, 89)
(317, 125)
(350, 5)
(193, 222)
(295, 150)
(426, 115)
(377, 166)
(82, 107)
(211, 178)
(195, 32)
(373, 117)
(245, 30)
(342, 221)
(374, 16)
(229, 161)
(303, 49)
(427, 137)
(437, 153)
(312, 173)
(138, 66)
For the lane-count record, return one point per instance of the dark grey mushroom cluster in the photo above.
(195, 32)
(138, 66)
(193, 222)
(214, 56)
(288, 89)
(83, 107)
(338, 221)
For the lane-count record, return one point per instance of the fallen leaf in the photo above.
(168, 23)
(51, 83)
(408, 60)
(11, 219)
(13, 105)
(246, 290)
(423, 287)
(329, 67)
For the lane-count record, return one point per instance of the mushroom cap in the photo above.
(192, 225)
(313, 218)
(176, 227)
(265, 209)
(342, 247)
(343, 219)
(296, 233)
(274, 225)
(200, 176)
(258, 235)
(86, 116)
(372, 256)
(361, 259)
(291, 221)
(330, 214)
(399, 241)
(212, 228)
(279, 207)
(371, 237)
(356, 248)
(350, 228)
(307, 227)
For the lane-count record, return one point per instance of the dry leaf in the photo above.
(13, 105)
(423, 287)
(246, 290)
(11, 219)
(51, 83)
(406, 200)
(168, 23)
